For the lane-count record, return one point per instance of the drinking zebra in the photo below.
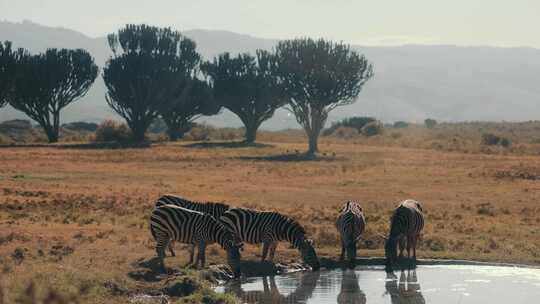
(350, 225)
(214, 209)
(170, 222)
(269, 228)
(406, 224)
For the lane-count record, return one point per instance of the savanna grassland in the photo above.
(75, 220)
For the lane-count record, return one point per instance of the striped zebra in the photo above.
(269, 228)
(214, 209)
(350, 225)
(406, 224)
(170, 222)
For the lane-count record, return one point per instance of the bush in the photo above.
(345, 132)
(110, 130)
(401, 124)
(158, 126)
(373, 128)
(199, 132)
(357, 123)
(430, 123)
(489, 139)
(505, 142)
(81, 126)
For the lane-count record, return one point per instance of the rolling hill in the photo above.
(412, 82)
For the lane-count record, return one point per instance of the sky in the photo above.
(508, 23)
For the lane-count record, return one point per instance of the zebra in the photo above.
(406, 224)
(170, 222)
(266, 227)
(350, 225)
(214, 209)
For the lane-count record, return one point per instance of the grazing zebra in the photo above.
(255, 227)
(406, 224)
(170, 222)
(214, 209)
(350, 225)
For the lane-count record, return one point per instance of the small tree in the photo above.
(48, 82)
(318, 76)
(146, 72)
(195, 100)
(8, 71)
(430, 123)
(246, 86)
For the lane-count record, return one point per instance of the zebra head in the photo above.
(309, 256)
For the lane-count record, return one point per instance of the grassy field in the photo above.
(75, 221)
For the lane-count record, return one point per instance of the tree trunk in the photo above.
(313, 139)
(51, 132)
(52, 136)
(138, 132)
(251, 133)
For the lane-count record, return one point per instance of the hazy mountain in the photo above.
(411, 82)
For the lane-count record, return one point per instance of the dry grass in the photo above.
(76, 221)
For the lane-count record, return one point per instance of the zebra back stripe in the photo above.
(214, 209)
(187, 226)
(258, 226)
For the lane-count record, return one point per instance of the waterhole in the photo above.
(426, 284)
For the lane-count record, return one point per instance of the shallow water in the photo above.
(426, 284)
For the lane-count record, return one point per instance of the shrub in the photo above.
(112, 131)
(345, 132)
(357, 123)
(489, 139)
(81, 126)
(373, 128)
(199, 132)
(401, 124)
(430, 123)
(505, 142)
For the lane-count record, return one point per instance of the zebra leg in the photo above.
(342, 256)
(409, 245)
(415, 239)
(265, 251)
(171, 249)
(401, 242)
(191, 254)
(160, 250)
(273, 247)
(202, 253)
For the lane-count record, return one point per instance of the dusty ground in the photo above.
(76, 220)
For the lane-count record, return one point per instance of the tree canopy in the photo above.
(146, 72)
(246, 86)
(318, 76)
(8, 70)
(48, 82)
(196, 99)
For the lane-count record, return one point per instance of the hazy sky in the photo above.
(373, 22)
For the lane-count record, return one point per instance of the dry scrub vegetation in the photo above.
(74, 222)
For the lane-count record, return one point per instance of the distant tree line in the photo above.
(158, 73)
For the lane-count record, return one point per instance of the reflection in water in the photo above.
(350, 292)
(407, 290)
(271, 294)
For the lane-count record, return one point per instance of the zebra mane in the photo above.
(202, 203)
